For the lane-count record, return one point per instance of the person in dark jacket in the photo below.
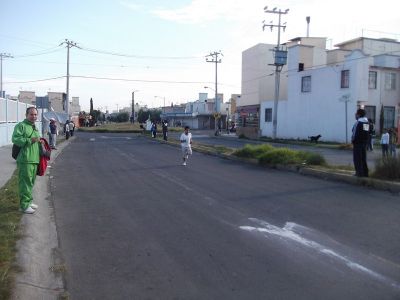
(360, 140)
(165, 130)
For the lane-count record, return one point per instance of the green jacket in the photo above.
(22, 135)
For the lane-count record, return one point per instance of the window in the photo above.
(344, 79)
(268, 115)
(390, 81)
(370, 112)
(306, 84)
(388, 116)
(372, 79)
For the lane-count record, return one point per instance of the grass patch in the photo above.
(387, 168)
(269, 155)
(10, 219)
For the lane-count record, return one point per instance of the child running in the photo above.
(186, 142)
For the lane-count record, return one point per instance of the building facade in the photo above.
(258, 85)
(325, 88)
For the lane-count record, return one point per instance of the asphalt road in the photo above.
(133, 223)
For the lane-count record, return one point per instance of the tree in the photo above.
(142, 115)
(91, 106)
(123, 117)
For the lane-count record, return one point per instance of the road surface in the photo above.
(133, 223)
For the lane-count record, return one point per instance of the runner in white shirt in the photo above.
(186, 142)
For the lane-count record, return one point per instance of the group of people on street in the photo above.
(164, 125)
(69, 129)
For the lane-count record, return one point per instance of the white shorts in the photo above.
(186, 151)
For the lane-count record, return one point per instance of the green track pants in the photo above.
(26, 180)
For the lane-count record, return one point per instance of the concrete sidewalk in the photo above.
(38, 254)
(8, 164)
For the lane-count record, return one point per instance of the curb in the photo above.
(38, 254)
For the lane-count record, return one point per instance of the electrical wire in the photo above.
(47, 51)
(140, 80)
(38, 80)
(137, 56)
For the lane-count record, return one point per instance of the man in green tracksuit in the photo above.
(27, 137)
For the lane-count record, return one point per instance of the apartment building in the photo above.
(325, 88)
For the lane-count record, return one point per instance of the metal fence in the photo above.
(12, 112)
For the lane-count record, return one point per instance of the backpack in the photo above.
(44, 157)
(16, 149)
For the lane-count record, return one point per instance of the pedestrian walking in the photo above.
(385, 143)
(71, 128)
(371, 136)
(186, 145)
(359, 140)
(66, 130)
(153, 129)
(392, 142)
(53, 133)
(165, 130)
(27, 137)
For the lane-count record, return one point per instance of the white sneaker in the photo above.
(34, 206)
(184, 163)
(29, 210)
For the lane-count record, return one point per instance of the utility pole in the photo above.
(69, 44)
(5, 55)
(213, 58)
(133, 106)
(280, 58)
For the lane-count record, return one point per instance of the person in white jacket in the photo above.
(186, 144)
(385, 143)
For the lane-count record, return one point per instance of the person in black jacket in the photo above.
(360, 140)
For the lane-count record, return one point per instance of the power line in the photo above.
(138, 56)
(139, 80)
(51, 50)
(37, 80)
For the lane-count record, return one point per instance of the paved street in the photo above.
(133, 223)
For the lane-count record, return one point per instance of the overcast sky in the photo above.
(158, 48)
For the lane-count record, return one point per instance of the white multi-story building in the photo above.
(258, 85)
(325, 88)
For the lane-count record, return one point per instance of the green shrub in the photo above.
(253, 151)
(387, 168)
(281, 156)
(284, 156)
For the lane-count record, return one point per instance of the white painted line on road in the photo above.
(92, 139)
(287, 233)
